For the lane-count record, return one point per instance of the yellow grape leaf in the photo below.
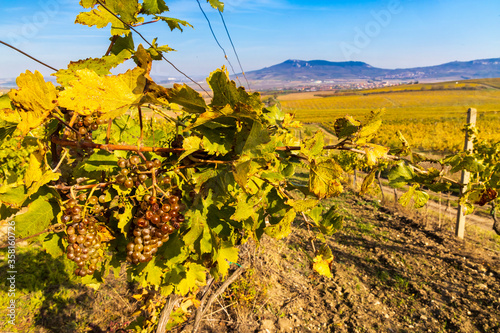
(35, 98)
(322, 262)
(367, 181)
(288, 122)
(110, 95)
(374, 152)
(35, 168)
(324, 179)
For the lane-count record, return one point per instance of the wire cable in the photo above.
(234, 49)
(145, 40)
(217, 41)
(26, 54)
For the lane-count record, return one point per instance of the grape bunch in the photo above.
(133, 171)
(85, 125)
(82, 235)
(156, 219)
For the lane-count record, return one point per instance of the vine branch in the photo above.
(49, 229)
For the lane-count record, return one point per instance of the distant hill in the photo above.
(300, 70)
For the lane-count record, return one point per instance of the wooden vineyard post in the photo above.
(460, 226)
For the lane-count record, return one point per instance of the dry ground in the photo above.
(390, 274)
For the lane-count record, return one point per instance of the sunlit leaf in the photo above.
(174, 23)
(322, 261)
(152, 7)
(313, 147)
(38, 217)
(325, 178)
(400, 175)
(283, 228)
(35, 99)
(110, 95)
(374, 153)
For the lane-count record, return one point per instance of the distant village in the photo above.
(331, 85)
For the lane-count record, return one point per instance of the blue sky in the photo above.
(383, 33)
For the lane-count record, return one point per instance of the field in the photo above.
(430, 116)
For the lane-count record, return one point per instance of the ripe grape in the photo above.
(82, 236)
(154, 221)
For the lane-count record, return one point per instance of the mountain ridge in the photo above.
(302, 70)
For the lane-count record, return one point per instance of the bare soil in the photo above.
(390, 275)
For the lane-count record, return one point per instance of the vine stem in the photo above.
(60, 161)
(309, 230)
(49, 229)
(173, 299)
(111, 147)
(79, 187)
(201, 311)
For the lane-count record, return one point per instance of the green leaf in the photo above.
(14, 196)
(313, 147)
(123, 44)
(175, 250)
(188, 98)
(52, 244)
(216, 4)
(462, 161)
(226, 93)
(156, 51)
(283, 228)
(197, 218)
(197, 221)
(174, 23)
(244, 209)
(190, 144)
(325, 179)
(101, 160)
(39, 216)
(7, 128)
(152, 7)
(346, 127)
(100, 17)
(331, 222)
(420, 198)
(6, 212)
(152, 274)
(216, 143)
(101, 66)
(195, 276)
(303, 205)
(227, 254)
(400, 175)
(5, 102)
(125, 217)
(370, 127)
(258, 136)
(243, 170)
(316, 213)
